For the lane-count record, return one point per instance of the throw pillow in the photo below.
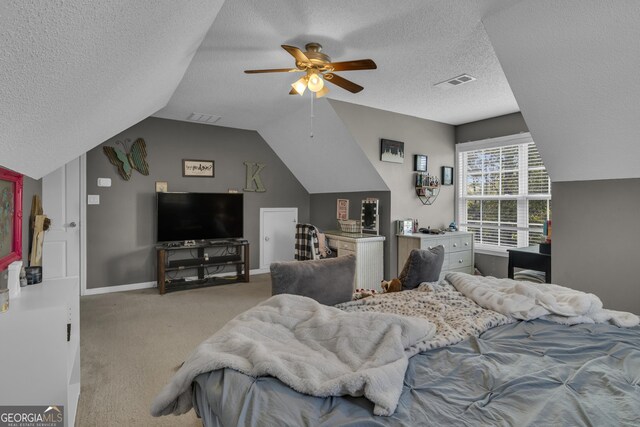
(328, 281)
(423, 265)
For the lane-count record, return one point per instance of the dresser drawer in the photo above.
(343, 245)
(432, 243)
(461, 243)
(460, 259)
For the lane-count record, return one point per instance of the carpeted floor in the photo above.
(131, 343)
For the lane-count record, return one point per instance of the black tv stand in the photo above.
(175, 258)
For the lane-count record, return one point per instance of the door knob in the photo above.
(72, 224)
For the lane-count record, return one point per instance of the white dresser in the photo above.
(458, 249)
(40, 347)
(369, 252)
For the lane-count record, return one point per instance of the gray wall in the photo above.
(323, 215)
(509, 124)
(420, 136)
(595, 240)
(121, 230)
(31, 187)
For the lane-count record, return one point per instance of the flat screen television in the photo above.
(199, 216)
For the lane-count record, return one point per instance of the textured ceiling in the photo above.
(74, 73)
(572, 66)
(415, 44)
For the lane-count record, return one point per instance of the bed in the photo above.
(521, 372)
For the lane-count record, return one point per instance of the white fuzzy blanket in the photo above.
(527, 301)
(313, 348)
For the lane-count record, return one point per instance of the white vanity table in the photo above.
(369, 252)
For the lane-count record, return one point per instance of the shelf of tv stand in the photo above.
(236, 255)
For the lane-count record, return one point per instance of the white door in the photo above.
(61, 203)
(277, 235)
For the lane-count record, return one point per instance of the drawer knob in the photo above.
(466, 243)
(460, 261)
(455, 245)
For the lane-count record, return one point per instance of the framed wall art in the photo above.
(391, 151)
(198, 168)
(447, 175)
(10, 217)
(342, 207)
(419, 163)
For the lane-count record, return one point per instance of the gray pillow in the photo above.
(423, 265)
(328, 281)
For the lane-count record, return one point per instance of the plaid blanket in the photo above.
(307, 245)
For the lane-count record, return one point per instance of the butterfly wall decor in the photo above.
(125, 161)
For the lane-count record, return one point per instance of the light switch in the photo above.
(104, 182)
(93, 199)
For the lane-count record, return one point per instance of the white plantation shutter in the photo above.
(504, 191)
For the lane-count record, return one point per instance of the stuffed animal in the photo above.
(393, 285)
(363, 293)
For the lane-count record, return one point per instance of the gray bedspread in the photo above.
(526, 373)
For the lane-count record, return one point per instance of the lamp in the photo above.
(315, 81)
(300, 85)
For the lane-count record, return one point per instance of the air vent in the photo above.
(456, 81)
(203, 118)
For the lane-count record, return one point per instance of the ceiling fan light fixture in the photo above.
(300, 85)
(322, 92)
(315, 82)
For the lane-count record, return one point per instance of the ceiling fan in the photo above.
(318, 67)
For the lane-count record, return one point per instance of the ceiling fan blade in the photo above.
(272, 70)
(296, 53)
(360, 64)
(343, 83)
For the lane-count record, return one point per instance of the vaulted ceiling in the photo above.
(74, 73)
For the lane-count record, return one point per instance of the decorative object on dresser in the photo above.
(447, 175)
(369, 252)
(370, 223)
(198, 168)
(458, 249)
(391, 151)
(427, 187)
(125, 161)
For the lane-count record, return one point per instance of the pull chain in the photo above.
(311, 128)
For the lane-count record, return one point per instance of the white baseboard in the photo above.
(120, 288)
(147, 285)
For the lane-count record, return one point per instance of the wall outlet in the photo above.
(93, 199)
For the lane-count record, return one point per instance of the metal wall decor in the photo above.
(125, 161)
(254, 182)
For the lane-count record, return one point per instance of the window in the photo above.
(504, 192)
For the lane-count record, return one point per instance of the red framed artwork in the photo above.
(10, 217)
